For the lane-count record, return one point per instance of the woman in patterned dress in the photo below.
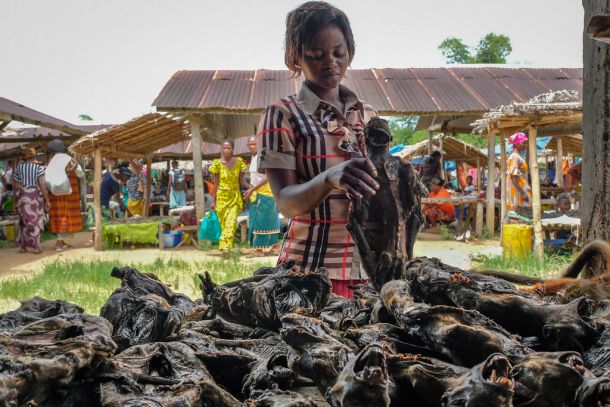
(518, 188)
(312, 146)
(227, 175)
(32, 200)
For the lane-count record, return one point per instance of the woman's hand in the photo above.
(248, 193)
(213, 206)
(47, 205)
(354, 176)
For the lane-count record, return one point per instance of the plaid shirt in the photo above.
(303, 133)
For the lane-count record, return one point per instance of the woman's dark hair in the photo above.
(436, 154)
(302, 25)
(228, 142)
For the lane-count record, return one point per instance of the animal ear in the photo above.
(583, 306)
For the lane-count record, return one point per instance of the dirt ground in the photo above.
(11, 262)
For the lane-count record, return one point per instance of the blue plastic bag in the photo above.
(209, 229)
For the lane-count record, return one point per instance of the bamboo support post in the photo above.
(478, 175)
(197, 166)
(478, 223)
(148, 185)
(502, 180)
(440, 147)
(559, 162)
(491, 175)
(535, 177)
(430, 136)
(97, 202)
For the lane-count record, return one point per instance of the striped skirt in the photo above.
(65, 213)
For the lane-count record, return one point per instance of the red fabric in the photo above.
(448, 208)
(341, 287)
(461, 175)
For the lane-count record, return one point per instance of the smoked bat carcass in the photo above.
(384, 225)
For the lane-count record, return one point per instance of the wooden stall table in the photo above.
(179, 211)
(161, 205)
(463, 202)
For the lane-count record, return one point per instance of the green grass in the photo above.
(531, 266)
(89, 284)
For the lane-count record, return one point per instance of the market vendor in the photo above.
(112, 182)
(311, 146)
(135, 189)
(518, 188)
(431, 167)
(438, 212)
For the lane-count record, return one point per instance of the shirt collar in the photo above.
(310, 102)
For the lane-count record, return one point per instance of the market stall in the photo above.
(558, 113)
(139, 138)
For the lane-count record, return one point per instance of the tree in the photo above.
(85, 117)
(402, 128)
(595, 205)
(492, 49)
(455, 51)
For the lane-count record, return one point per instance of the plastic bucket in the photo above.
(171, 238)
(516, 241)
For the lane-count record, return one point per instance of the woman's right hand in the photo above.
(213, 206)
(354, 176)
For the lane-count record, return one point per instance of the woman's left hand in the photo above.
(47, 206)
(248, 194)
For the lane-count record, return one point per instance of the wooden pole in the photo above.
(502, 180)
(197, 167)
(559, 162)
(97, 202)
(478, 223)
(440, 147)
(491, 175)
(478, 176)
(535, 177)
(430, 136)
(148, 185)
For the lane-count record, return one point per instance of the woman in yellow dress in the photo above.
(519, 192)
(227, 176)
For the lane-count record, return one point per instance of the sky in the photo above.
(110, 58)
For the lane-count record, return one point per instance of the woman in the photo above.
(263, 219)
(135, 189)
(65, 216)
(517, 186)
(311, 146)
(32, 200)
(227, 176)
(438, 212)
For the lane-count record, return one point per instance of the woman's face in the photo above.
(227, 150)
(325, 63)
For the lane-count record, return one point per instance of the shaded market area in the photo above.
(451, 269)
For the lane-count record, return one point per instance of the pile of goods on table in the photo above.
(433, 335)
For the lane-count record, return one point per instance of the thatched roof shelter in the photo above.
(138, 138)
(452, 149)
(561, 110)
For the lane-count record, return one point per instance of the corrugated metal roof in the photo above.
(184, 150)
(10, 110)
(406, 91)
